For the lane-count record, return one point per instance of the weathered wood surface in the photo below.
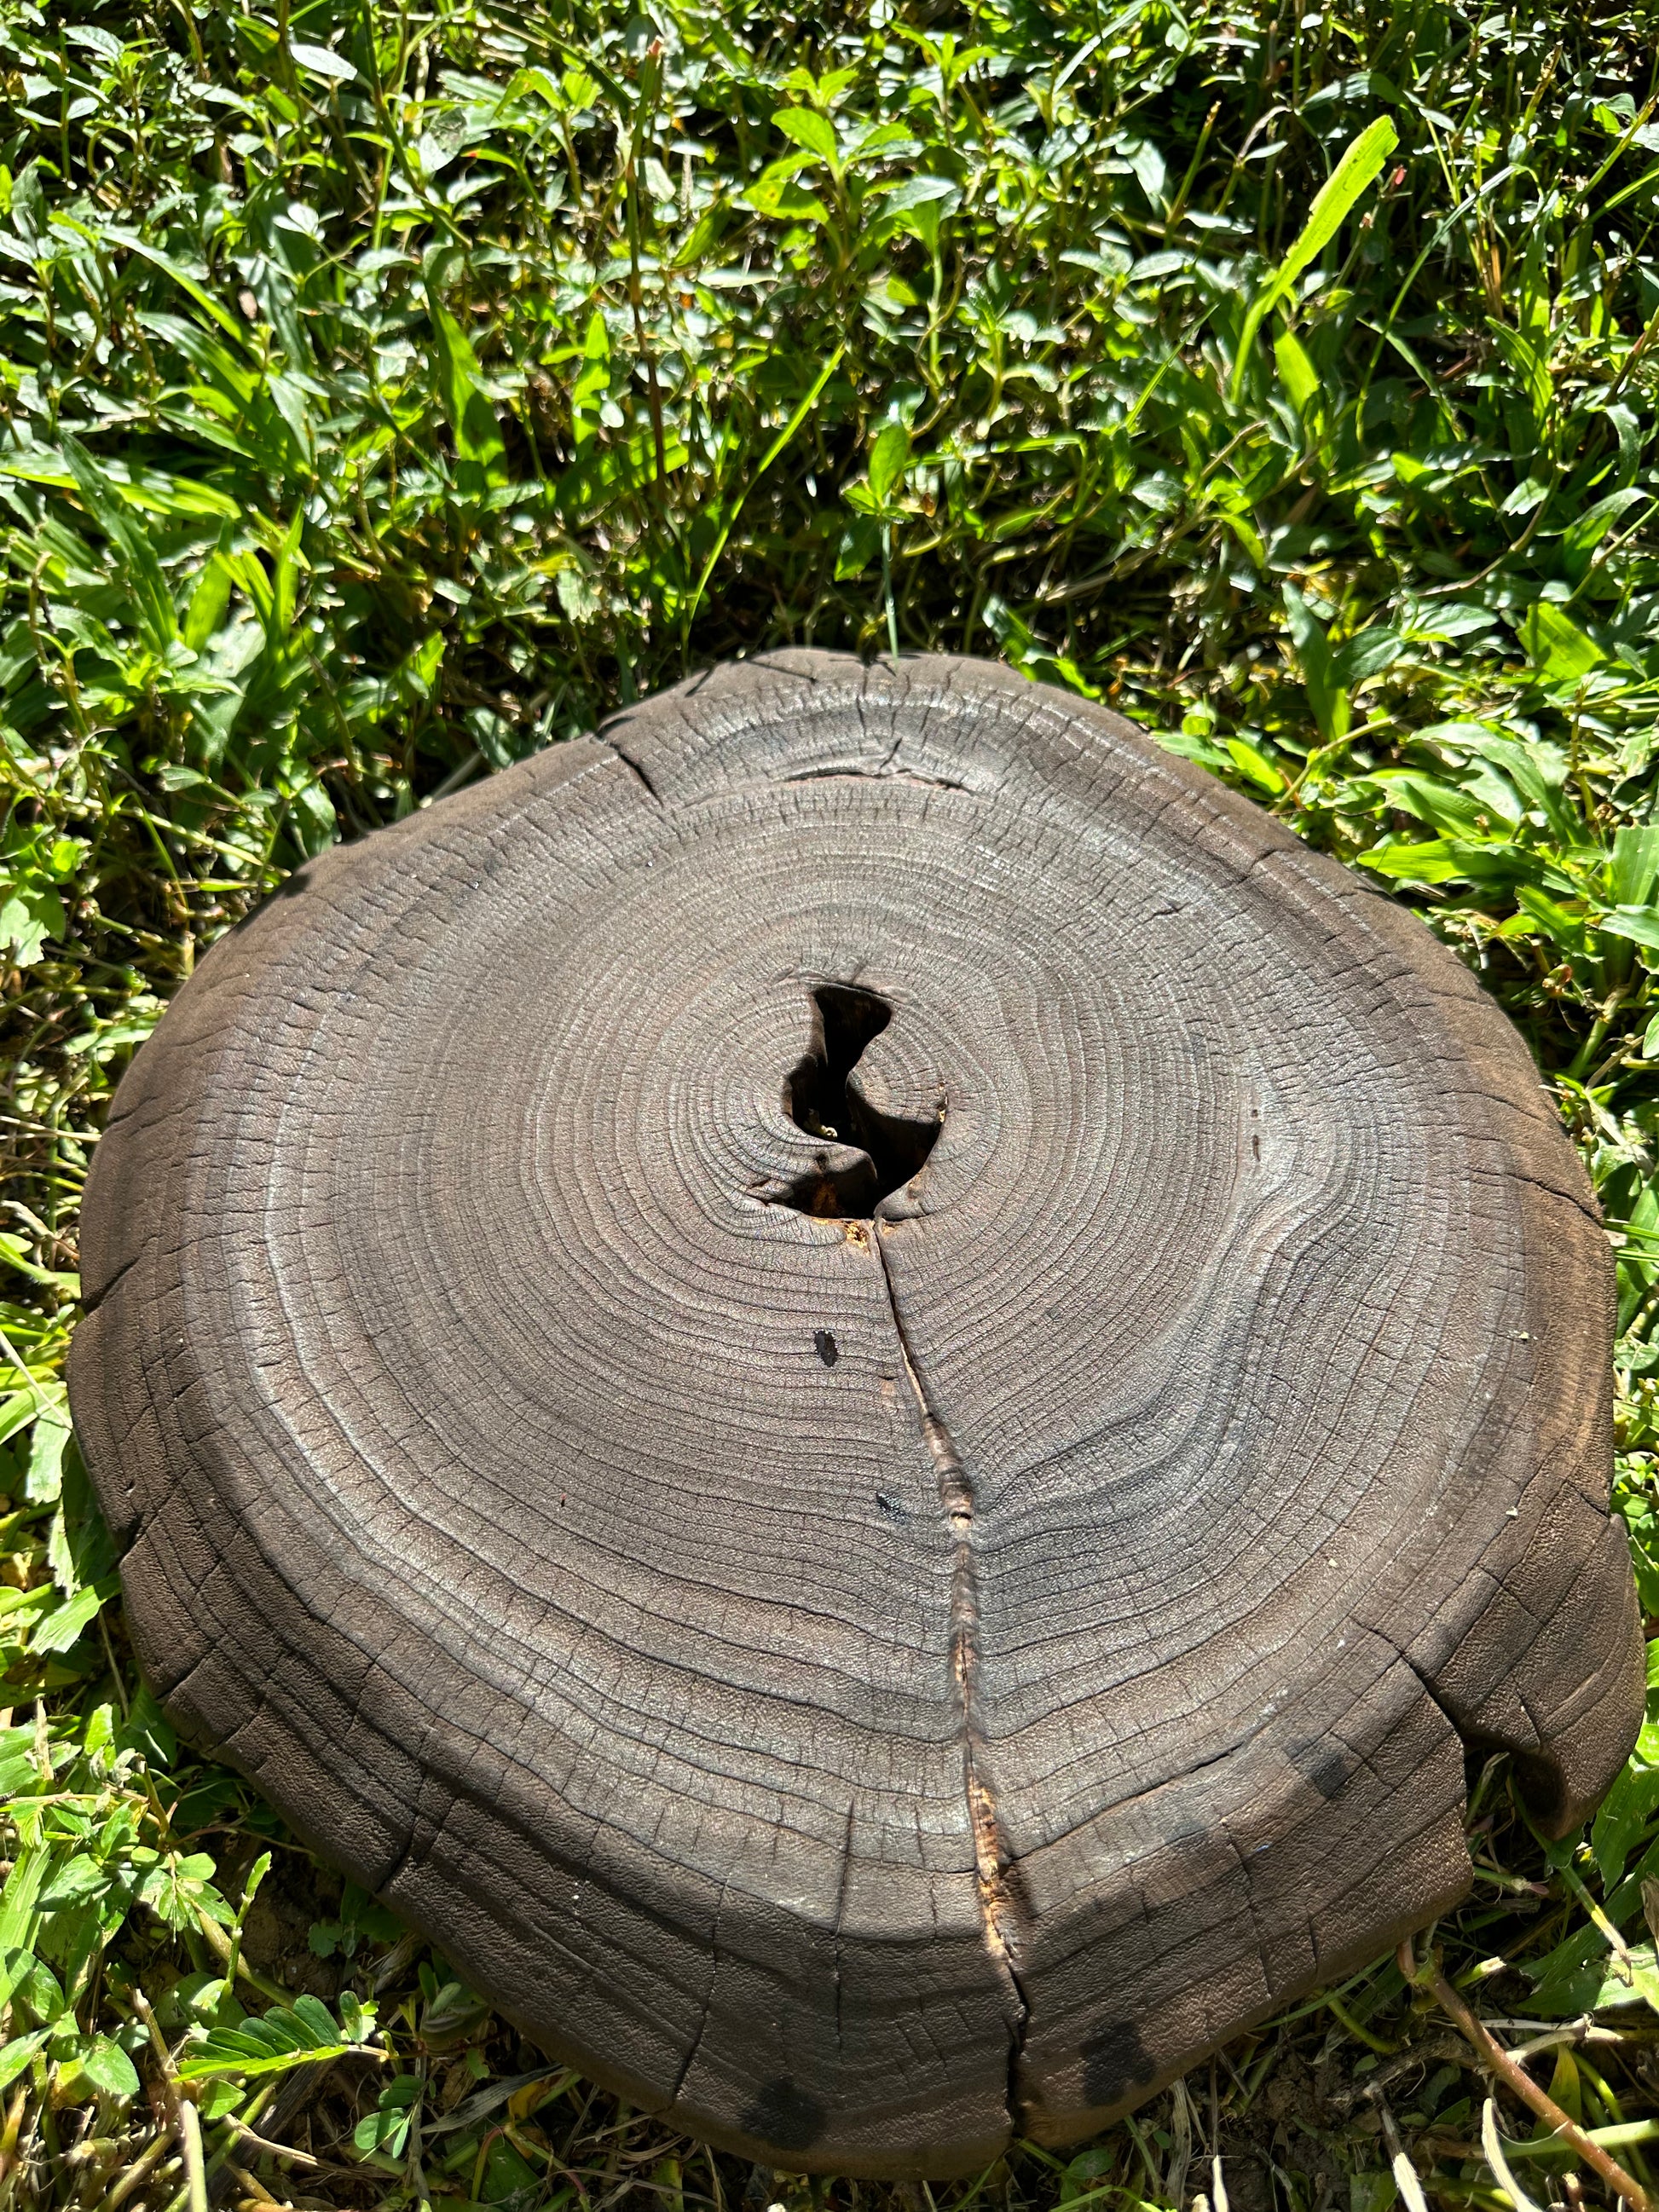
(845, 1681)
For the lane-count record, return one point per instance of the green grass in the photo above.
(387, 394)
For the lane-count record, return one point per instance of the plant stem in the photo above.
(1429, 1977)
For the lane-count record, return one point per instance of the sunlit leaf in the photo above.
(811, 130)
(1335, 200)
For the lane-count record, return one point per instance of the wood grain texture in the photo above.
(861, 1686)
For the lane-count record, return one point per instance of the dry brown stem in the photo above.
(1429, 1975)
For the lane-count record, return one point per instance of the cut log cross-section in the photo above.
(868, 1394)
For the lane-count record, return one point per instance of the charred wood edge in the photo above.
(1432, 1976)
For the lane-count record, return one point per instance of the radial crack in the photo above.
(696, 2045)
(1536, 1764)
(634, 768)
(994, 1868)
(840, 1913)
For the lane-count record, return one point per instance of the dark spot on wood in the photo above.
(1325, 1767)
(828, 1350)
(784, 2114)
(1114, 2062)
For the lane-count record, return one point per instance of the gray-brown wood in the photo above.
(861, 1685)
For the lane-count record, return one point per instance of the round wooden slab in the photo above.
(865, 1392)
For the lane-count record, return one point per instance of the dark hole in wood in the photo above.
(823, 1103)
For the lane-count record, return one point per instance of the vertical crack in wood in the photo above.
(840, 1913)
(696, 2044)
(993, 1868)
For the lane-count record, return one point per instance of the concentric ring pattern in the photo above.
(862, 1684)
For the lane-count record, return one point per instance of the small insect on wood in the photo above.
(868, 1394)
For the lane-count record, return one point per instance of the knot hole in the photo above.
(824, 1101)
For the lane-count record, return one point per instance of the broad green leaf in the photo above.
(322, 61)
(1639, 924)
(1625, 1811)
(917, 205)
(604, 475)
(74, 1878)
(861, 542)
(1333, 202)
(1563, 926)
(1557, 647)
(593, 383)
(1443, 804)
(17, 1966)
(69, 1622)
(1448, 618)
(128, 479)
(43, 1479)
(1374, 2191)
(17, 1766)
(16, 2054)
(1150, 170)
(813, 131)
(1633, 1799)
(177, 1888)
(1529, 359)
(885, 138)
(1442, 860)
(1570, 1976)
(1604, 1982)
(19, 1898)
(98, 2067)
(1254, 764)
(1586, 532)
(1634, 869)
(1296, 372)
(31, 913)
(285, 2037)
(1326, 693)
(187, 282)
(285, 578)
(775, 192)
(889, 456)
(19, 1407)
(209, 600)
(40, 1993)
(703, 236)
(1536, 769)
(479, 447)
(386, 2128)
(1248, 537)
(1366, 654)
(288, 397)
(153, 600)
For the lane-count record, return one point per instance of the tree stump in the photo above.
(867, 1393)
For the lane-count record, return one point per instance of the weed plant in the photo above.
(389, 390)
